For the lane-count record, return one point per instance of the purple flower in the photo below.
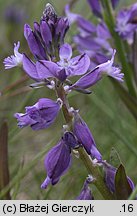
(85, 193)
(47, 36)
(64, 68)
(92, 40)
(96, 7)
(110, 173)
(95, 75)
(14, 60)
(126, 23)
(57, 161)
(85, 137)
(41, 115)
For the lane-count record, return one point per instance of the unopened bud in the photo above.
(49, 13)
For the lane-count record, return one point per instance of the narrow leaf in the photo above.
(122, 186)
(4, 169)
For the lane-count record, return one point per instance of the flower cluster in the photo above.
(95, 40)
(53, 66)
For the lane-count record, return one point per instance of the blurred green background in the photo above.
(109, 120)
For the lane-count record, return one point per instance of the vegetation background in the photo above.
(110, 121)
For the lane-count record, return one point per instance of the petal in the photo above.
(34, 44)
(57, 161)
(62, 75)
(65, 52)
(40, 125)
(46, 69)
(85, 26)
(45, 32)
(87, 43)
(70, 140)
(46, 182)
(95, 6)
(30, 68)
(106, 67)
(18, 55)
(62, 28)
(88, 79)
(85, 137)
(33, 113)
(103, 31)
(27, 31)
(36, 28)
(14, 60)
(48, 109)
(85, 193)
(79, 64)
(23, 120)
(46, 102)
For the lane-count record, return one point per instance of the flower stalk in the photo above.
(87, 161)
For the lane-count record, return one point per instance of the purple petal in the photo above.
(34, 44)
(70, 140)
(23, 120)
(85, 193)
(65, 52)
(85, 26)
(87, 43)
(110, 70)
(48, 109)
(36, 27)
(46, 182)
(46, 69)
(79, 64)
(45, 33)
(27, 31)
(95, 7)
(85, 137)
(103, 31)
(57, 161)
(30, 68)
(88, 79)
(14, 60)
(62, 75)
(62, 28)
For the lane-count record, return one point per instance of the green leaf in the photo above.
(4, 169)
(114, 158)
(122, 186)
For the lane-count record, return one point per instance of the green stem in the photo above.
(110, 21)
(94, 171)
(91, 168)
(65, 107)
